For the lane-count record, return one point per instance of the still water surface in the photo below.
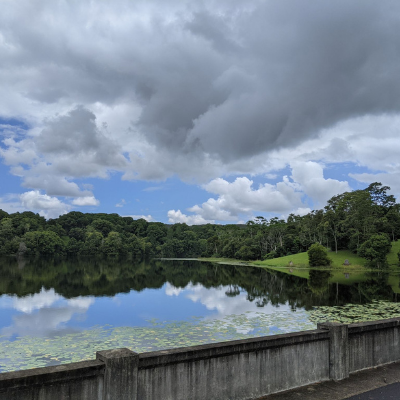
(56, 312)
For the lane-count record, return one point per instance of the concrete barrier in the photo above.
(241, 369)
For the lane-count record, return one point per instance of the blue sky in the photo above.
(196, 112)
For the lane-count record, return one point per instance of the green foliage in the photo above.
(43, 243)
(93, 243)
(246, 253)
(113, 244)
(350, 221)
(375, 249)
(318, 256)
(103, 226)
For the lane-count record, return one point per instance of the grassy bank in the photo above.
(301, 260)
(228, 261)
(392, 258)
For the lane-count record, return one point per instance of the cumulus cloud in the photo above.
(240, 197)
(227, 87)
(309, 175)
(76, 137)
(47, 206)
(68, 146)
(177, 217)
(86, 201)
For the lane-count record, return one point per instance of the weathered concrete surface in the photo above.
(235, 370)
(374, 343)
(358, 383)
(82, 380)
(120, 379)
(338, 350)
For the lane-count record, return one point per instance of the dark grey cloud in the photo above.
(224, 79)
(273, 76)
(76, 137)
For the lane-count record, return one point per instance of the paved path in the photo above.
(380, 383)
(384, 393)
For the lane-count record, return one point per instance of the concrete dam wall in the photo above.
(235, 370)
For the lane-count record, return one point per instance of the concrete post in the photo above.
(120, 377)
(338, 349)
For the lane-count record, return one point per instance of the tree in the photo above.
(318, 256)
(375, 249)
(103, 226)
(335, 213)
(44, 243)
(113, 244)
(93, 243)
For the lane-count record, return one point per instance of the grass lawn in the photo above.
(301, 260)
(300, 268)
(392, 256)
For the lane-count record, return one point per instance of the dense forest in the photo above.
(364, 221)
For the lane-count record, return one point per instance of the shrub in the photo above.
(375, 249)
(318, 256)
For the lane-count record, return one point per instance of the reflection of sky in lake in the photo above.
(48, 314)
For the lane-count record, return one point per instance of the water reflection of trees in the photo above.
(107, 277)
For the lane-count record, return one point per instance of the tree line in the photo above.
(364, 221)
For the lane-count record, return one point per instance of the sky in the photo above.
(196, 111)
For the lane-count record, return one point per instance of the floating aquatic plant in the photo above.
(31, 352)
(352, 313)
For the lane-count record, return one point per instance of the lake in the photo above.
(54, 312)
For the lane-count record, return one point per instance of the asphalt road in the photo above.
(383, 393)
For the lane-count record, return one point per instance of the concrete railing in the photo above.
(241, 369)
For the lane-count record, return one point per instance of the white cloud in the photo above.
(309, 175)
(109, 104)
(86, 201)
(301, 211)
(241, 198)
(47, 206)
(176, 216)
